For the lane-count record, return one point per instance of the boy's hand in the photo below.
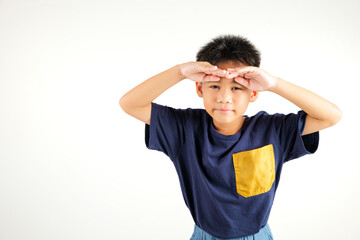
(201, 71)
(253, 78)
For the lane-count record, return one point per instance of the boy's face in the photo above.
(226, 100)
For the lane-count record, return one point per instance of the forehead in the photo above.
(230, 64)
(228, 81)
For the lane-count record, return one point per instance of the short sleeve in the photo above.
(165, 132)
(292, 143)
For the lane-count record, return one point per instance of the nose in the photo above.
(224, 96)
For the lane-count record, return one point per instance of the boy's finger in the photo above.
(231, 75)
(211, 78)
(207, 71)
(210, 67)
(220, 73)
(242, 81)
(243, 72)
(235, 72)
(246, 70)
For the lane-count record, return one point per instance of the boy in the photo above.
(229, 164)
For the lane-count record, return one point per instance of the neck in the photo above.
(229, 128)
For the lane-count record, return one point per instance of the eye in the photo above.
(214, 86)
(236, 88)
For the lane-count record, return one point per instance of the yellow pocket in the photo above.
(254, 171)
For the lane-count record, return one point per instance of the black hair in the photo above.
(229, 47)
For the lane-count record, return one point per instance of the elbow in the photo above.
(123, 103)
(336, 117)
(339, 116)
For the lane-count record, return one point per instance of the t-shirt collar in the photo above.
(221, 136)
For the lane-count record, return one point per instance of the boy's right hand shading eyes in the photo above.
(201, 71)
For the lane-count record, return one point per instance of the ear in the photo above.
(199, 89)
(254, 95)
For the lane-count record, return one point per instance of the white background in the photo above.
(74, 166)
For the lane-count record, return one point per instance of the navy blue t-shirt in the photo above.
(228, 181)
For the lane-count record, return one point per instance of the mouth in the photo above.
(224, 111)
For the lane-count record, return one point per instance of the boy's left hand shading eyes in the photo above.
(253, 78)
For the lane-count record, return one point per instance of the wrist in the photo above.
(178, 69)
(277, 81)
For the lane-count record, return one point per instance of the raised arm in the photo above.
(321, 113)
(137, 102)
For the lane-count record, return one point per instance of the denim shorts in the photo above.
(263, 234)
